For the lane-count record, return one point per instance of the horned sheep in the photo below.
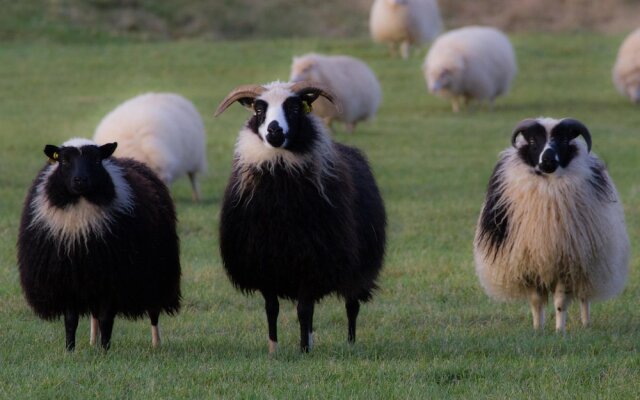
(164, 131)
(471, 63)
(354, 85)
(626, 71)
(404, 22)
(302, 216)
(552, 222)
(98, 236)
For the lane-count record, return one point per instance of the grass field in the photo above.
(430, 332)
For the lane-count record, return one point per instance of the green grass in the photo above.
(430, 332)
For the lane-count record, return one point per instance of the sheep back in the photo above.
(352, 82)
(281, 235)
(417, 22)
(163, 130)
(131, 265)
(481, 60)
(626, 71)
(532, 232)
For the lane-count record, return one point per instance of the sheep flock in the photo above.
(302, 216)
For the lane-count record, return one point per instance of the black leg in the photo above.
(106, 327)
(353, 308)
(70, 326)
(272, 308)
(305, 318)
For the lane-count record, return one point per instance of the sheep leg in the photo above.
(155, 329)
(95, 330)
(351, 127)
(353, 308)
(272, 308)
(455, 106)
(561, 299)
(584, 312)
(195, 188)
(404, 50)
(105, 321)
(537, 301)
(71, 318)
(305, 318)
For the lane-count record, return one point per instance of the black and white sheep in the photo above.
(552, 222)
(302, 216)
(98, 236)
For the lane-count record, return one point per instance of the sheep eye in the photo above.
(259, 110)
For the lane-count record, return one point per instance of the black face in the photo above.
(299, 135)
(80, 173)
(547, 153)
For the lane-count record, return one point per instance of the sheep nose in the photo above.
(80, 183)
(275, 134)
(548, 161)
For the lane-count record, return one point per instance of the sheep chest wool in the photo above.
(552, 222)
(302, 216)
(98, 236)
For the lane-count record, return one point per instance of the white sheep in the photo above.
(352, 82)
(471, 63)
(552, 222)
(626, 71)
(404, 22)
(162, 130)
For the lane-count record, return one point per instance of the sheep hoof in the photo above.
(273, 348)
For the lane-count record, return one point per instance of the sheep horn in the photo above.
(245, 91)
(577, 128)
(310, 87)
(522, 126)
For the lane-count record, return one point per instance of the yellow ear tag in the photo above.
(307, 107)
(55, 155)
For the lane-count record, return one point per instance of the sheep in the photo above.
(626, 71)
(552, 222)
(301, 216)
(98, 236)
(353, 83)
(471, 63)
(404, 22)
(164, 131)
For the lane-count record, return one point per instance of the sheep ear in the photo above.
(575, 128)
(52, 152)
(522, 127)
(106, 150)
(310, 91)
(245, 95)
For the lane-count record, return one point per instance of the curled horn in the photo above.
(522, 126)
(241, 92)
(577, 128)
(315, 89)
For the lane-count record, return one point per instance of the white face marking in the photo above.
(275, 98)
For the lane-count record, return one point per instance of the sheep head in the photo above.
(547, 144)
(280, 111)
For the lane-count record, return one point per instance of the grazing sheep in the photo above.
(301, 216)
(626, 71)
(162, 130)
(98, 235)
(552, 222)
(404, 22)
(472, 63)
(353, 83)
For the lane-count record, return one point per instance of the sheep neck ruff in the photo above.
(76, 223)
(556, 228)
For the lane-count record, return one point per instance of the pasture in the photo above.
(430, 332)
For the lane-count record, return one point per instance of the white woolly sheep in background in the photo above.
(404, 22)
(471, 63)
(352, 82)
(626, 71)
(552, 222)
(163, 130)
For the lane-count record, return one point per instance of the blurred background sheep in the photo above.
(626, 71)
(353, 83)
